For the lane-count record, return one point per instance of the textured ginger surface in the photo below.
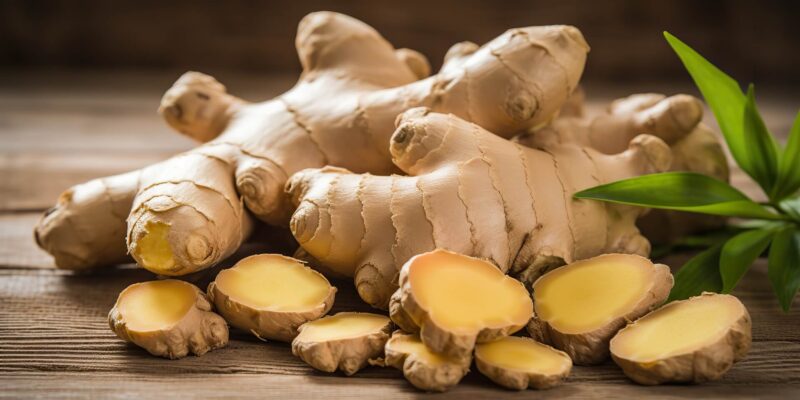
(520, 362)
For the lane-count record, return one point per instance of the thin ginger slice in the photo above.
(271, 295)
(458, 300)
(579, 307)
(168, 318)
(345, 341)
(520, 363)
(694, 340)
(422, 367)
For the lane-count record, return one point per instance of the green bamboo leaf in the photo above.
(784, 265)
(683, 191)
(763, 154)
(789, 164)
(723, 95)
(738, 254)
(699, 274)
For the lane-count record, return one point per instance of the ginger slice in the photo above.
(520, 362)
(168, 318)
(458, 300)
(694, 340)
(579, 307)
(347, 341)
(271, 295)
(422, 367)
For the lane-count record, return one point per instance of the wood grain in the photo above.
(54, 338)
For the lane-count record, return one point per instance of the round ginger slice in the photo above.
(347, 341)
(579, 307)
(520, 363)
(695, 340)
(168, 318)
(458, 300)
(422, 367)
(271, 295)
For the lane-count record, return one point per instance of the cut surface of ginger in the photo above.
(155, 305)
(344, 325)
(678, 328)
(587, 295)
(275, 283)
(153, 248)
(411, 344)
(523, 355)
(466, 294)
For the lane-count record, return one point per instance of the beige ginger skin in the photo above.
(192, 211)
(471, 192)
(423, 368)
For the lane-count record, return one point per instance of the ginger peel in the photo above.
(519, 363)
(423, 368)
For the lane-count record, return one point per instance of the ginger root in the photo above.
(423, 368)
(470, 192)
(456, 301)
(520, 363)
(579, 307)
(694, 340)
(167, 318)
(190, 212)
(345, 341)
(271, 295)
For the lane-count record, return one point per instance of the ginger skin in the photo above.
(340, 112)
(461, 177)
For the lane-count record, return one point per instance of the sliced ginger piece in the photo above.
(579, 307)
(694, 340)
(168, 318)
(458, 300)
(422, 367)
(271, 295)
(520, 363)
(345, 341)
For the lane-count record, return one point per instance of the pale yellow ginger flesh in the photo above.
(342, 326)
(466, 294)
(520, 363)
(694, 340)
(588, 295)
(156, 305)
(678, 329)
(154, 250)
(411, 344)
(524, 355)
(274, 283)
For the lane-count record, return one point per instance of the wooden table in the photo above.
(58, 129)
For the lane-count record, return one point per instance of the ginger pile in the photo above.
(446, 198)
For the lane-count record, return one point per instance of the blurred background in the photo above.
(753, 40)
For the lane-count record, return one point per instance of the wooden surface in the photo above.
(60, 129)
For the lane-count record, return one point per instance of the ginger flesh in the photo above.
(467, 294)
(155, 305)
(678, 329)
(154, 250)
(274, 283)
(524, 355)
(411, 344)
(588, 295)
(342, 326)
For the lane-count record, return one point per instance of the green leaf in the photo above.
(739, 253)
(683, 191)
(792, 207)
(763, 152)
(699, 274)
(789, 164)
(784, 265)
(723, 95)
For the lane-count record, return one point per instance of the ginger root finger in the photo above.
(422, 367)
(714, 333)
(271, 295)
(457, 301)
(520, 363)
(579, 307)
(470, 192)
(345, 341)
(168, 318)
